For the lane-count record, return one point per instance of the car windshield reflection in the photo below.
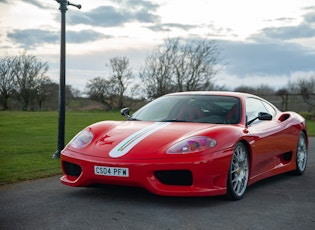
(191, 108)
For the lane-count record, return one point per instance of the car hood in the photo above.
(140, 140)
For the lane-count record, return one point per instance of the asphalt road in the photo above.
(283, 202)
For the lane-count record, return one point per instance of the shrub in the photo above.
(307, 115)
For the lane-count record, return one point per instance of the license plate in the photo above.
(111, 171)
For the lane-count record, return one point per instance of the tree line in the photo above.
(24, 83)
(176, 65)
(22, 77)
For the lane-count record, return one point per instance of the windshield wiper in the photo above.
(132, 119)
(174, 120)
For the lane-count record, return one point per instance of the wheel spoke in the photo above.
(301, 154)
(235, 185)
(238, 187)
(239, 171)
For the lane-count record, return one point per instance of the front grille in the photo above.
(71, 169)
(175, 177)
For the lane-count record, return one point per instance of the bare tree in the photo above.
(101, 90)
(283, 93)
(121, 76)
(196, 64)
(305, 87)
(181, 65)
(42, 92)
(260, 90)
(110, 91)
(47, 95)
(156, 75)
(28, 70)
(7, 80)
(264, 89)
(245, 89)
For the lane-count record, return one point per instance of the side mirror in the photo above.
(125, 112)
(262, 116)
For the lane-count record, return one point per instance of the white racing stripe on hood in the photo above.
(128, 143)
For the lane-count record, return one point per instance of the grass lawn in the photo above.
(311, 127)
(29, 139)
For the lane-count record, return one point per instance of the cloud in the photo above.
(139, 3)
(112, 16)
(310, 17)
(272, 51)
(266, 58)
(84, 36)
(5, 1)
(36, 3)
(303, 30)
(106, 16)
(32, 37)
(170, 26)
(29, 38)
(288, 32)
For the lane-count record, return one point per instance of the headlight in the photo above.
(81, 140)
(191, 145)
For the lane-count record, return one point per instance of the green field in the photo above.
(311, 127)
(28, 141)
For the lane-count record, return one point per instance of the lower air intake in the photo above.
(71, 169)
(175, 177)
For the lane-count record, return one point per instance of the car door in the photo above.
(266, 136)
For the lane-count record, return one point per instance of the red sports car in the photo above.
(190, 144)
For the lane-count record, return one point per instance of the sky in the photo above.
(262, 42)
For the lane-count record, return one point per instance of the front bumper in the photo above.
(204, 175)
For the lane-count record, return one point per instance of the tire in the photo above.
(301, 155)
(238, 173)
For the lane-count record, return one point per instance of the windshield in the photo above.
(191, 108)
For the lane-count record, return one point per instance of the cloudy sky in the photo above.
(270, 41)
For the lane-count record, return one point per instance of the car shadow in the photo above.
(140, 196)
(135, 195)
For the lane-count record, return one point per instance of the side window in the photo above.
(253, 107)
(270, 109)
